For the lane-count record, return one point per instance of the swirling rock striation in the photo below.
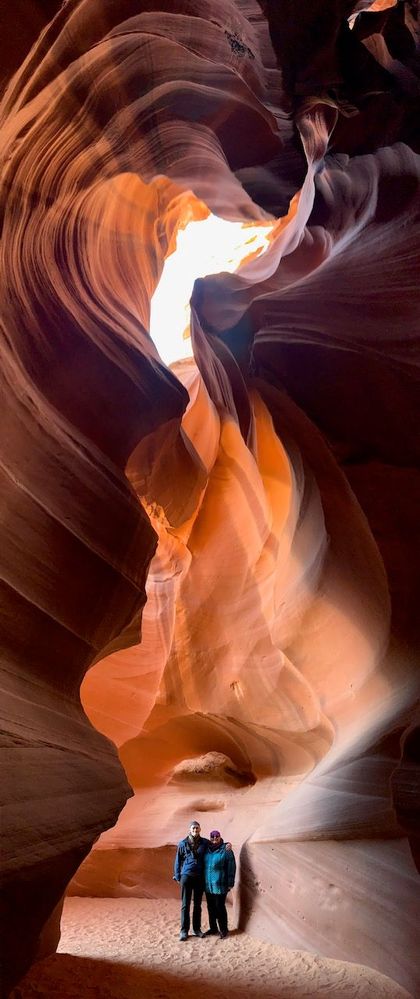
(268, 637)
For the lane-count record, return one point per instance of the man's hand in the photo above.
(228, 846)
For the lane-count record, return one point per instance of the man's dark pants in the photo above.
(216, 905)
(191, 888)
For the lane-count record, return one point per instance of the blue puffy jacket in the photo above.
(219, 869)
(188, 861)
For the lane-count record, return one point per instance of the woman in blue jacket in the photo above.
(219, 878)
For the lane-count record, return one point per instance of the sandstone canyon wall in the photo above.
(224, 549)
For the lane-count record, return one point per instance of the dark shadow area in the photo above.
(65, 976)
(20, 31)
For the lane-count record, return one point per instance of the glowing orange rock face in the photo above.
(258, 687)
(261, 636)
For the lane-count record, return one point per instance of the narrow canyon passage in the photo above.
(210, 479)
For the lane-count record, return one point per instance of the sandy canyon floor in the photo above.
(129, 948)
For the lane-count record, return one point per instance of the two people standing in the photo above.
(204, 865)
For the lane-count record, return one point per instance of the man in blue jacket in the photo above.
(219, 878)
(189, 872)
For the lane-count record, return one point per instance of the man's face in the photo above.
(195, 829)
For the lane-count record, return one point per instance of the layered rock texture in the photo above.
(224, 548)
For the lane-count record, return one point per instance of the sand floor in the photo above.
(129, 948)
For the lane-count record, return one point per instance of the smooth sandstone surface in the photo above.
(212, 567)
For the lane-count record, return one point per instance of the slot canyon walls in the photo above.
(262, 494)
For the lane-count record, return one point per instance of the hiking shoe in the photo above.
(198, 933)
(210, 933)
(183, 935)
(223, 935)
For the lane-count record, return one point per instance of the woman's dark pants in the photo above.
(216, 905)
(191, 888)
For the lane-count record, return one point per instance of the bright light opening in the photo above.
(209, 246)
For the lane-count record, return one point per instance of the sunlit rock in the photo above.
(219, 538)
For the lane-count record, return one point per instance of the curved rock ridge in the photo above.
(185, 537)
